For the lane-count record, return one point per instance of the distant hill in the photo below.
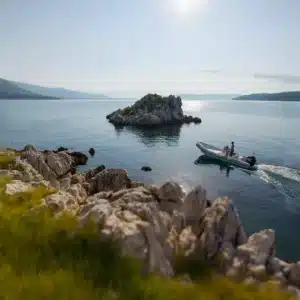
(10, 90)
(208, 96)
(284, 96)
(58, 92)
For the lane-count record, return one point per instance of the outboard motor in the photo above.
(251, 160)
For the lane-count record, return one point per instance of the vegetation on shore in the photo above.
(49, 257)
(149, 103)
(284, 96)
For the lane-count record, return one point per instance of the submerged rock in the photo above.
(152, 110)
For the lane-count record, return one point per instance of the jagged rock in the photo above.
(139, 194)
(186, 242)
(17, 186)
(275, 265)
(109, 180)
(78, 192)
(60, 164)
(170, 195)
(220, 224)
(259, 248)
(78, 178)
(294, 274)
(92, 172)
(65, 182)
(194, 205)
(98, 211)
(151, 110)
(61, 200)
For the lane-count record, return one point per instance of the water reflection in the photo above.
(203, 160)
(150, 137)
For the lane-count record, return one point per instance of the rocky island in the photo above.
(152, 110)
(167, 230)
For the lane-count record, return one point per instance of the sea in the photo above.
(266, 198)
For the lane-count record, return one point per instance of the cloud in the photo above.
(279, 77)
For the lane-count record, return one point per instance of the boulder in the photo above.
(60, 201)
(17, 186)
(79, 158)
(170, 196)
(109, 180)
(259, 248)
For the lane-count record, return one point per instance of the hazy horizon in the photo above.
(162, 46)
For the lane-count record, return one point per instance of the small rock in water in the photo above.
(146, 169)
(62, 149)
(92, 151)
(80, 158)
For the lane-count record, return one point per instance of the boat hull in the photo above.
(216, 153)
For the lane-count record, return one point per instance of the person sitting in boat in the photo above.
(231, 152)
(226, 150)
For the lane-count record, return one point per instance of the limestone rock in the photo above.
(259, 248)
(171, 196)
(60, 201)
(109, 180)
(194, 205)
(220, 224)
(93, 172)
(294, 274)
(17, 186)
(78, 192)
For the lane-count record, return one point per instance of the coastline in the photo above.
(154, 223)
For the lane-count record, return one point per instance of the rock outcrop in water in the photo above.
(155, 223)
(152, 110)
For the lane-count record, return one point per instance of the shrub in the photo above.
(7, 161)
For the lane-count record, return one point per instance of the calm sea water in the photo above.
(267, 198)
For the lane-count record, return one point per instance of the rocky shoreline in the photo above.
(154, 223)
(152, 111)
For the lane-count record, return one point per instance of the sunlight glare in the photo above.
(187, 7)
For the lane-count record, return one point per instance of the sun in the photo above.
(186, 7)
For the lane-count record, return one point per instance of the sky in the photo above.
(141, 46)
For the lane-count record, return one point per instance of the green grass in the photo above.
(47, 257)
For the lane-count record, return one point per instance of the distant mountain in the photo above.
(284, 96)
(58, 92)
(208, 96)
(9, 90)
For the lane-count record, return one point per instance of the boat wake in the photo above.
(285, 180)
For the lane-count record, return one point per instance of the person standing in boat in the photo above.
(231, 152)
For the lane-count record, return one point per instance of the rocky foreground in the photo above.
(154, 223)
(152, 110)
